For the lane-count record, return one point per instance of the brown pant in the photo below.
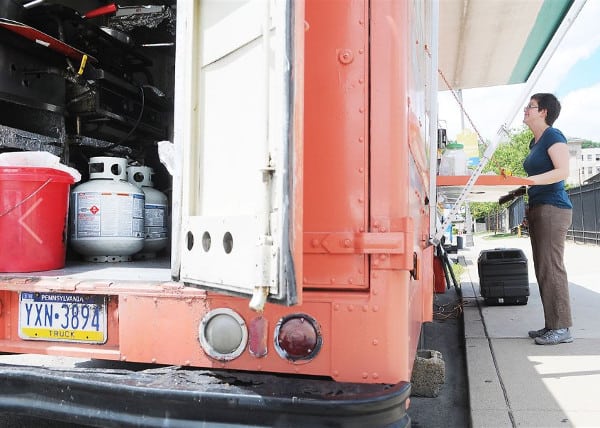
(548, 227)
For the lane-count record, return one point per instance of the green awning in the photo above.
(495, 42)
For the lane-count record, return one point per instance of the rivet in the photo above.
(360, 170)
(361, 80)
(350, 281)
(375, 342)
(360, 200)
(361, 50)
(382, 229)
(347, 243)
(383, 256)
(361, 109)
(153, 360)
(365, 308)
(332, 280)
(361, 139)
(375, 308)
(365, 375)
(375, 375)
(336, 307)
(315, 242)
(350, 308)
(346, 56)
(335, 373)
(187, 362)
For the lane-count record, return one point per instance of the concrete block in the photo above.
(429, 373)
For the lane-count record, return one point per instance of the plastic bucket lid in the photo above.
(34, 203)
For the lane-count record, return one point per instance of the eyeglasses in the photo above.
(529, 106)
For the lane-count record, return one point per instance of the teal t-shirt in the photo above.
(537, 162)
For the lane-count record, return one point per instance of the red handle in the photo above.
(104, 10)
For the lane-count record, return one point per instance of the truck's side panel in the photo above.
(336, 143)
(398, 168)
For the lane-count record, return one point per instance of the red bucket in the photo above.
(439, 277)
(34, 203)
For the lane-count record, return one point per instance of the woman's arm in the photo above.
(559, 154)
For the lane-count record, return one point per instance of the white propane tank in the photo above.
(107, 213)
(155, 211)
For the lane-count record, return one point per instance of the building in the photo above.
(583, 163)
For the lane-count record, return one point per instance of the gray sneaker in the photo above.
(537, 333)
(554, 337)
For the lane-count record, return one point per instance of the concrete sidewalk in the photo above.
(512, 381)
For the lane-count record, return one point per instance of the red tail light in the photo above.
(298, 337)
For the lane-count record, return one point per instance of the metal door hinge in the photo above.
(390, 244)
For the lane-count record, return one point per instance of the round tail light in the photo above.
(223, 334)
(298, 337)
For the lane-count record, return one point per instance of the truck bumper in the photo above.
(178, 397)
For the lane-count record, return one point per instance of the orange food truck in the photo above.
(283, 277)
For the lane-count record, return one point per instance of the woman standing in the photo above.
(549, 216)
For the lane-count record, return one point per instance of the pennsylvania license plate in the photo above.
(62, 317)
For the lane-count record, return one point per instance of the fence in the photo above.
(586, 209)
(585, 227)
(507, 219)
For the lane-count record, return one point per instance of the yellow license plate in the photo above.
(62, 317)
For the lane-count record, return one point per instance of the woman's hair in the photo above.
(549, 103)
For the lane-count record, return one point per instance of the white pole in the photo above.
(433, 113)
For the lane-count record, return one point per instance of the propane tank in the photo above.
(155, 211)
(107, 213)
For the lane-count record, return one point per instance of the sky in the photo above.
(573, 75)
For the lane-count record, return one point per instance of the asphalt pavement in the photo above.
(445, 334)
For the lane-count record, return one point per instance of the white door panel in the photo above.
(235, 130)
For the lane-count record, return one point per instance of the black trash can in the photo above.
(503, 277)
(459, 242)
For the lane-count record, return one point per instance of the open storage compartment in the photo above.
(82, 80)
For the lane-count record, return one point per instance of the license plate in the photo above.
(62, 317)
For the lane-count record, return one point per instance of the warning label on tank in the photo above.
(156, 221)
(100, 214)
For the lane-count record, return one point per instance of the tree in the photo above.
(482, 209)
(589, 145)
(510, 156)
